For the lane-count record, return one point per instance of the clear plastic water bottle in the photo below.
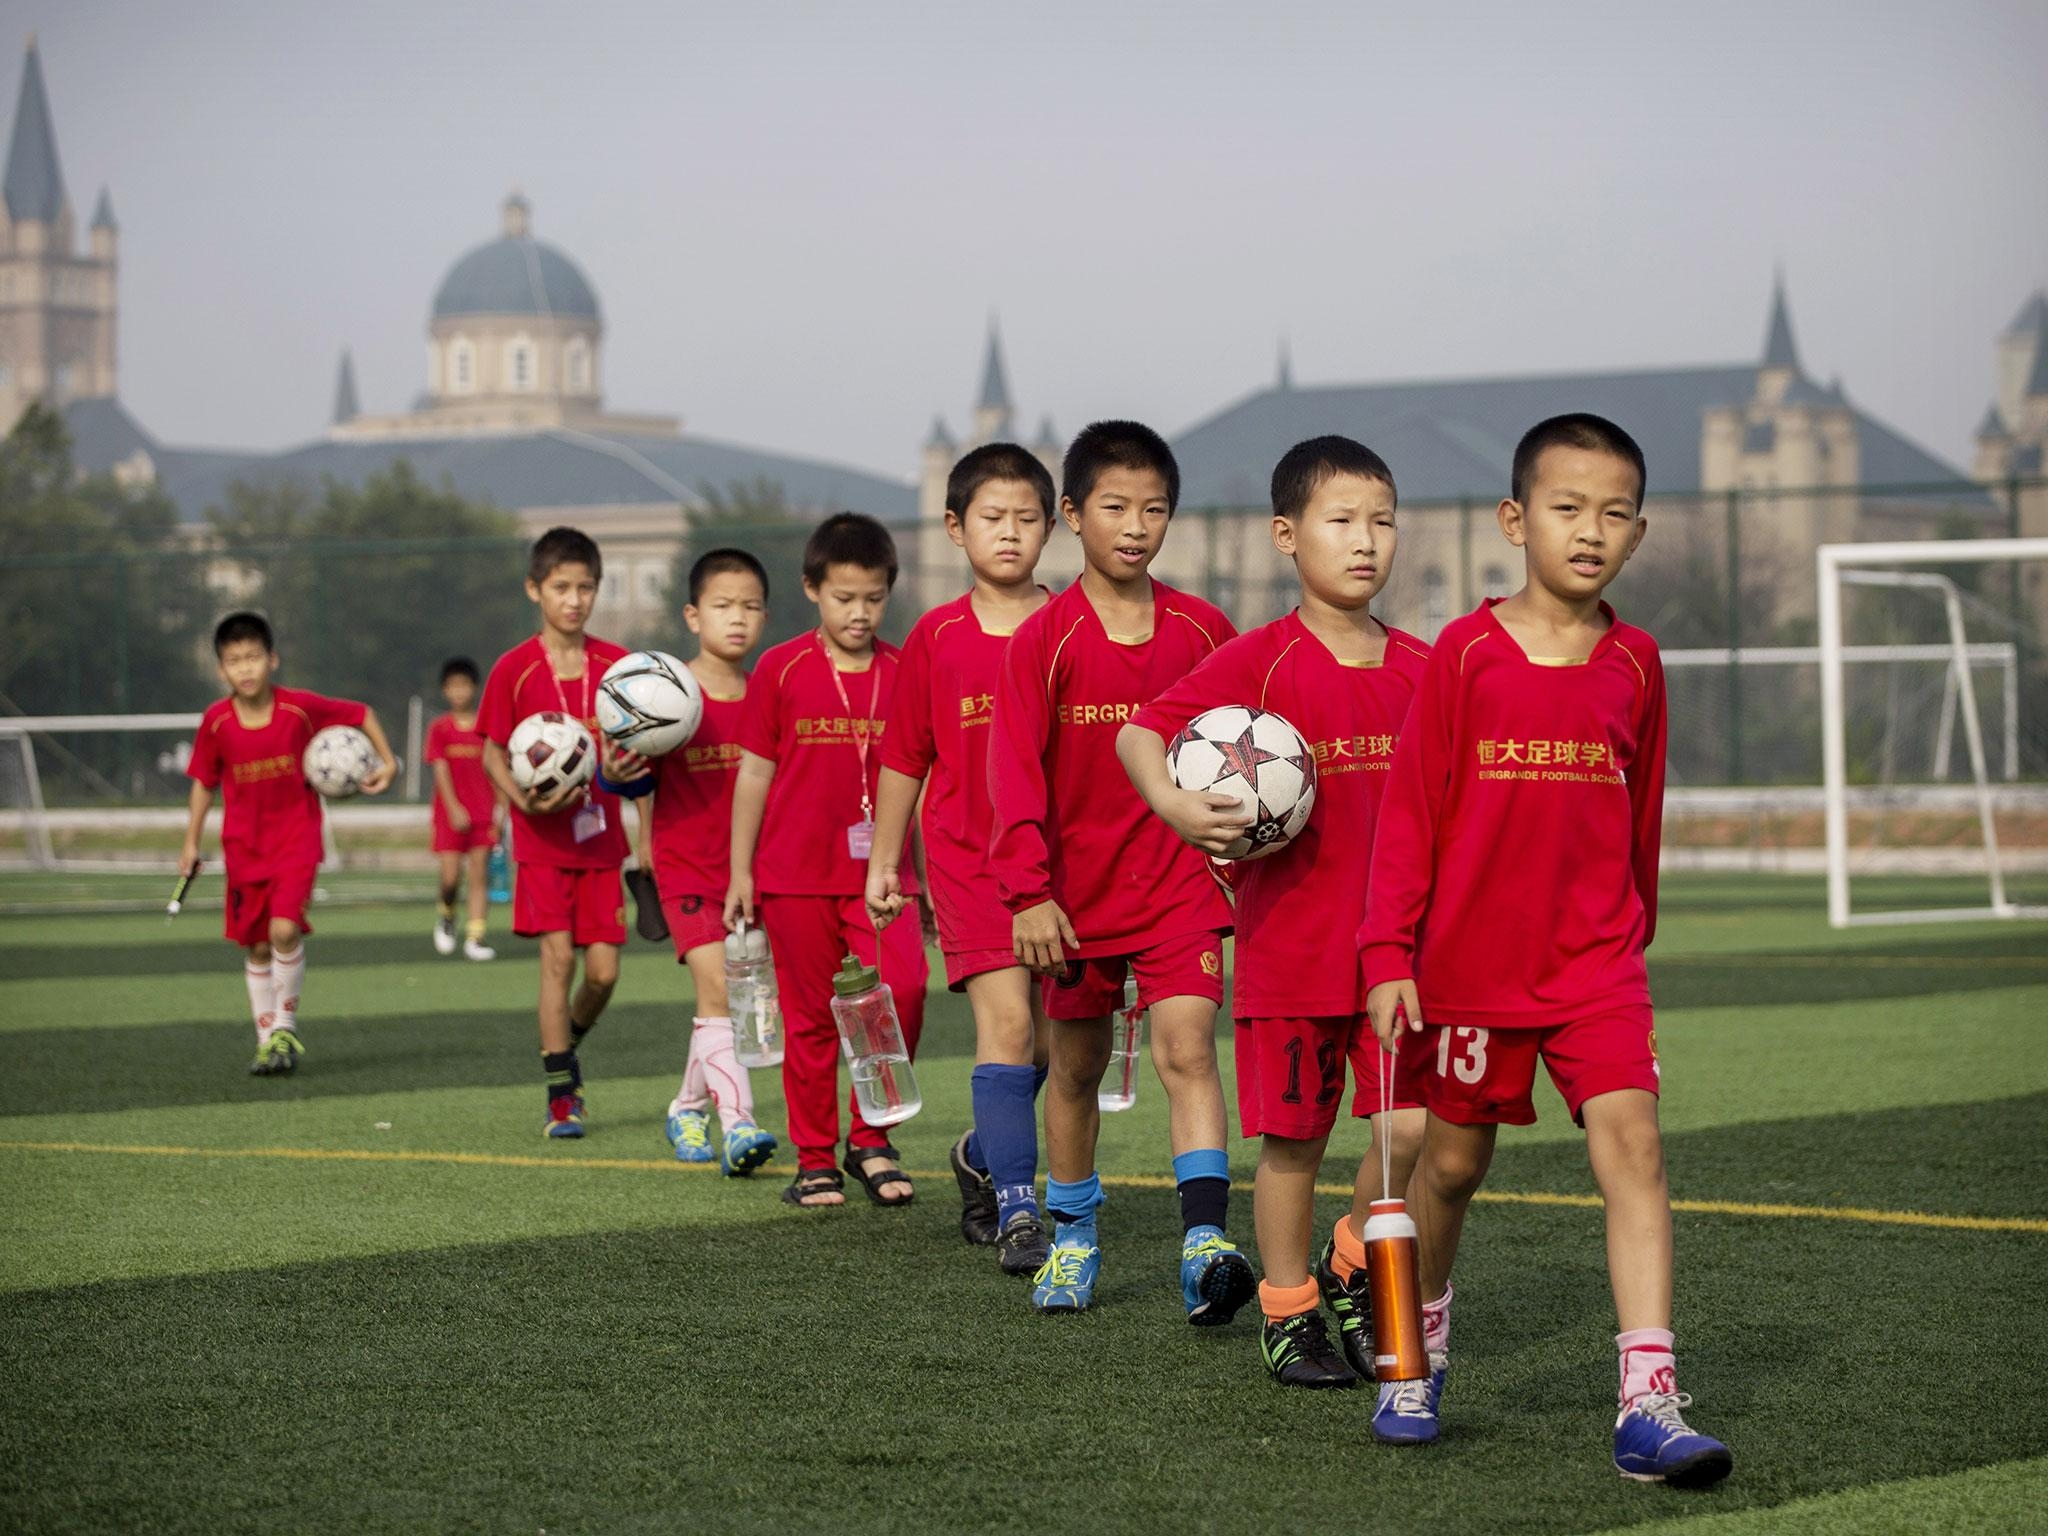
(871, 1037)
(752, 999)
(1119, 1088)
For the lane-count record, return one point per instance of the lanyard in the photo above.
(862, 726)
(561, 694)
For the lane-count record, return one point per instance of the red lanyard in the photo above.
(861, 727)
(561, 695)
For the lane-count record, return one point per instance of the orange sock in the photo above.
(1280, 1302)
(1348, 1255)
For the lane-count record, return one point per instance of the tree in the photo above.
(754, 515)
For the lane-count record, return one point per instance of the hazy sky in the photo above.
(798, 218)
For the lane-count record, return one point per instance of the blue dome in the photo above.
(515, 275)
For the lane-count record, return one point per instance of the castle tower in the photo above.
(346, 407)
(992, 408)
(57, 306)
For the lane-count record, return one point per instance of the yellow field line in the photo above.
(1860, 1214)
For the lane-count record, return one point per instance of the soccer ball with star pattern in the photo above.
(1259, 759)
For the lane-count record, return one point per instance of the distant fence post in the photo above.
(1734, 505)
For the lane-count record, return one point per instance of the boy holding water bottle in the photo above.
(998, 509)
(1343, 679)
(803, 825)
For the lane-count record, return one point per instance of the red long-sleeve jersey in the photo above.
(1514, 869)
(1068, 825)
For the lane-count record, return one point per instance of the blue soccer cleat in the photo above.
(745, 1148)
(689, 1132)
(1065, 1282)
(565, 1116)
(1406, 1413)
(1215, 1278)
(1652, 1444)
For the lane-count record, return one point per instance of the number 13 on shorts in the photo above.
(1464, 1057)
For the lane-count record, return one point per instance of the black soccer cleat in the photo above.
(1023, 1246)
(1299, 1353)
(1351, 1305)
(978, 1215)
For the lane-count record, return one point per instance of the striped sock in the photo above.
(288, 975)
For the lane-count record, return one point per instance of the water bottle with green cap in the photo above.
(871, 1036)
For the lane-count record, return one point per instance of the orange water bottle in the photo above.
(1398, 1351)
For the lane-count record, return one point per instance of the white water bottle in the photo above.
(752, 999)
(1119, 1088)
(871, 1037)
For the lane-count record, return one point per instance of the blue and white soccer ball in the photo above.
(1257, 758)
(338, 759)
(649, 703)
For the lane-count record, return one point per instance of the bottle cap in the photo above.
(757, 943)
(855, 978)
(736, 946)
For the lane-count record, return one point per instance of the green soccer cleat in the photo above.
(1351, 1305)
(1299, 1353)
(279, 1055)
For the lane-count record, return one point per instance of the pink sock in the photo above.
(723, 1074)
(693, 1095)
(1436, 1324)
(288, 974)
(1646, 1363)
(262, 997)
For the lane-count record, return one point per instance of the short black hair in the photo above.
(563, 546)
(1576, 429)
(460, 666)
(716, 562)
(1304, 468)
(997, 461)
(849, 538)
(1105, 445)
(244, 625)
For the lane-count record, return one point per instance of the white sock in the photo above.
(711, 1044)
(693, 1095)
(262, 997)
(288, 974)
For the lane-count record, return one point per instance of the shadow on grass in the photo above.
(2008, 957)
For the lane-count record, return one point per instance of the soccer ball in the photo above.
(649, 703)
(1259, 759)
(550, 752)
(337, 761)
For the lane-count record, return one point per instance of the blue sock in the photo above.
(1074, 1205)
(1204, 1179)
(1006, 1126)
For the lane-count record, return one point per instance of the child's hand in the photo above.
(379, 778)
(928, 921)
(188, 858)
(621, 766)
(1204, 820)
(884, 896)
(1391, 1004)
(1038, 933)
(566, 795)
(458, 819)
(739, 902)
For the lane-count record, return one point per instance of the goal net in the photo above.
(93, 793)
(1933, 715)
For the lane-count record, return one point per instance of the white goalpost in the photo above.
(1905, 568)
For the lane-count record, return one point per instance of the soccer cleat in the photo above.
(1065, 1282)
(1215, 1278)
(977, 1196)
(565, 1116)
(278, 1056)
(477, 949)
(1351, 1305)
(1022, 1247)
(1299, 1353)
(689, 1132)
(444, 936)
(745, 1148)
(1652, 1444)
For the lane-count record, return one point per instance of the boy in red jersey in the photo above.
(467, 810)
(251, 746)
(1512, 897)
(805, 804)
(998, 509)
(692, 859)
(1343, 680)
(1095, 884)
(570, 846)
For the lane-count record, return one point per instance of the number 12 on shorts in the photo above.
(1470, 1066)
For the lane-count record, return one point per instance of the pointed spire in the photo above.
(940, 437)
(34, 186)
(345, 407)
(1778, 349)
(1283, 377)
(2029, 315)
(1992, 427)
(2037, 376)
(103, 213)
(995, 382)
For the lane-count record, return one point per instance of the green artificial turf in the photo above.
(427, 1318)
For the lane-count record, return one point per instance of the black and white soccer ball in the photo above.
(338, 759)
(650, 703)
(1260, 760)
(550, 751)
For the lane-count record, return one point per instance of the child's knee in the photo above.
(284, 935)
(1184, 1047)
(1455, 1166)
(557, 957)
(1630, 1148)
(601, 970)
(1403, 1130)
(1078, 1055)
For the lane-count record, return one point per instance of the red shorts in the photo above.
(448, 840)
(963, 966)
(587, 904)
(1290, 1075)
(694, 921)
(254, 904)
(1474, 1076)
(1187, 965)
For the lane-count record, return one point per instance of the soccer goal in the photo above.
(93, 793)
(1931, 813)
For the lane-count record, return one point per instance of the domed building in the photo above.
(514, 343)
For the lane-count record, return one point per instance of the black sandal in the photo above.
(813, 1181)
(857, 1160)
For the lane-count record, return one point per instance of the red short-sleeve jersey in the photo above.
(1298, 910)
(270, 816)
(692, 836)
(523, 683)
(463, 752)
